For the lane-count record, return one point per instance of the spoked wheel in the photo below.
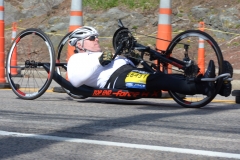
(201, 48)
(30, 53)
(62, 57)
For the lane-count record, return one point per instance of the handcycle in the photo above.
(35, 60)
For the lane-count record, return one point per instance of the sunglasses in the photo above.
(92, 38)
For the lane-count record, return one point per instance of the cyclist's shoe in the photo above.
(226, 86)
(210, 73)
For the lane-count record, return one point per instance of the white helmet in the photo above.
(81, 33)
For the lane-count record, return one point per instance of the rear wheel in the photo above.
(29, 52)
(201, 49)
(62, 57)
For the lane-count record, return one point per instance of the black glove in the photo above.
(105, 58)
(135, 58)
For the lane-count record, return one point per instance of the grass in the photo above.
(132, 4)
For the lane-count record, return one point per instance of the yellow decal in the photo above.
(134, 77)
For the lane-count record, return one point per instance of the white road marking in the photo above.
(126, 145)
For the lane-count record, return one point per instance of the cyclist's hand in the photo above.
(105, 58)
(135, 55)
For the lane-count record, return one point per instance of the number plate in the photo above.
(136, 79)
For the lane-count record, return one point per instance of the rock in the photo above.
(113, 14)
(53, 20)
(58, 27)
(12, 13)
(199, 12)
(28, 9)
(224, 19)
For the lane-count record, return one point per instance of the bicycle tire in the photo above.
(211, 51)
(24, 68)
(61, 57)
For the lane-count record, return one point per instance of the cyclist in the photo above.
(92, 67)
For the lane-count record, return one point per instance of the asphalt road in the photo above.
(55, 126)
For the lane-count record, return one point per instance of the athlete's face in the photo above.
(91, 43)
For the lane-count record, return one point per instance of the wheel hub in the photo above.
(31, 64)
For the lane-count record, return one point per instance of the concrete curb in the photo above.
(5, 86)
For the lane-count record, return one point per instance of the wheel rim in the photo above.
(211, 52)
(25, 71)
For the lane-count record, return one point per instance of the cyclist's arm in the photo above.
(81, 66)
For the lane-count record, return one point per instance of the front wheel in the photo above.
(201, 48)
(30, 51)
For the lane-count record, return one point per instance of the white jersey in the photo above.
(85, 69)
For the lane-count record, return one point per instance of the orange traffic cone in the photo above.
(164, 25)
(201, 51)
(76, 21)
(164, 31)
(3, 83)
(14, 56)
